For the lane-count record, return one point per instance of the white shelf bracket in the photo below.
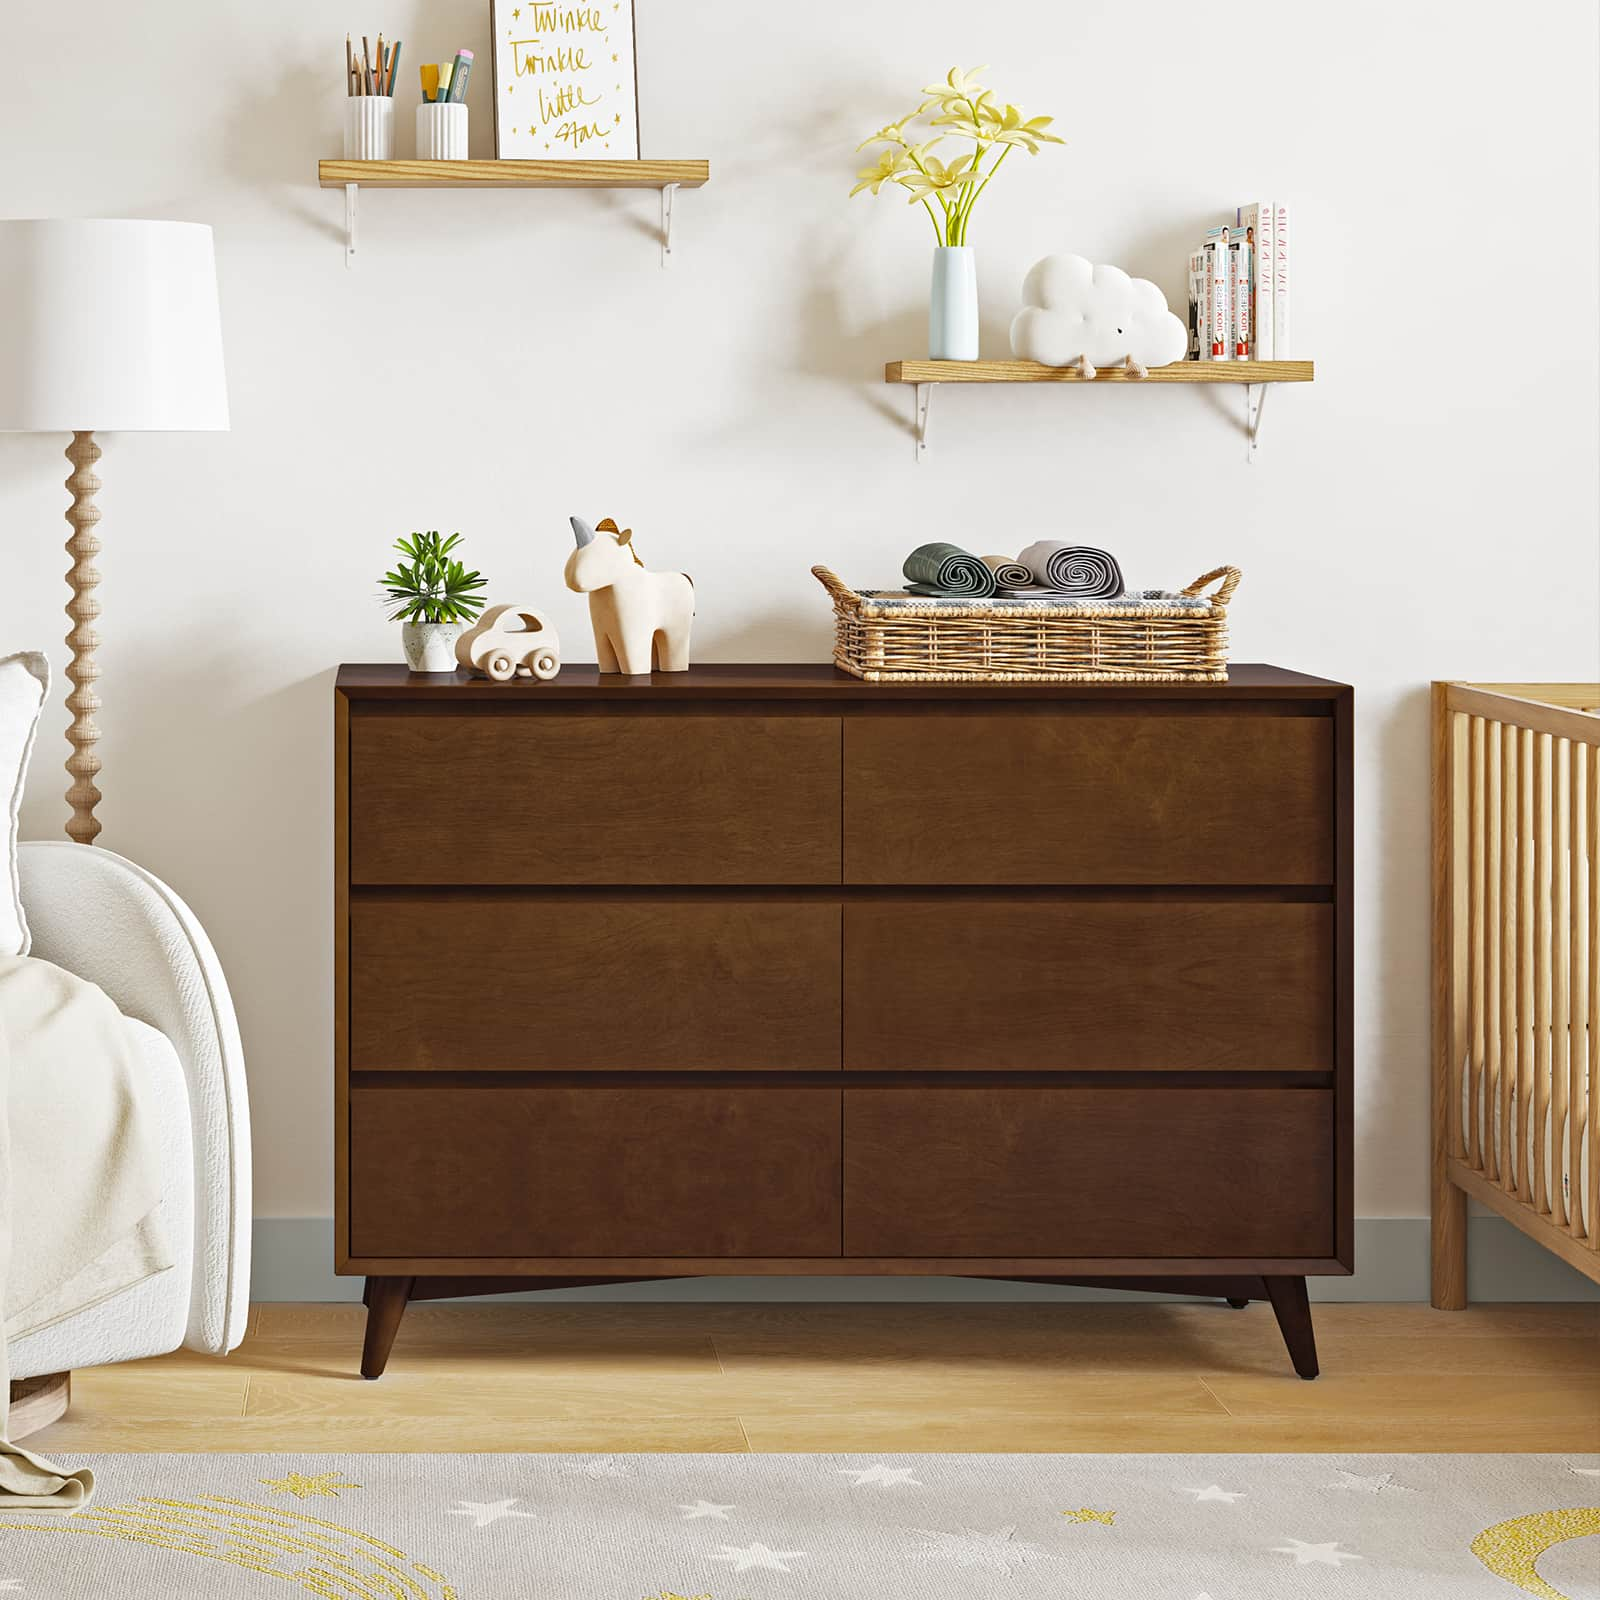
(668, 191)
(350, 192)
(924, 402)
(1254, 394)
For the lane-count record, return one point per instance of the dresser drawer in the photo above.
(594, 1171)
(1016, 1172)
(1026, 983)
(529, 797)
(571, 982)
(1071, 797)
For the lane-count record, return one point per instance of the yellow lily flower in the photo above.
(937, 178)
(893, 132)
(1030, 133)
(888, 169)
(958, 85)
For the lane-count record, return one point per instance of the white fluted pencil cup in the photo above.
(441, 132)
(369, 127)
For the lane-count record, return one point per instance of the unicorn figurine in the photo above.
(641, 619)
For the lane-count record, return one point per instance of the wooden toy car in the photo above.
(511, 642)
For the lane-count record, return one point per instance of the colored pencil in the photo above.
(394, 65)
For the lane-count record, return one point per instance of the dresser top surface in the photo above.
(803, 681)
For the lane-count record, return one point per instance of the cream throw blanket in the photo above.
(79, 1183)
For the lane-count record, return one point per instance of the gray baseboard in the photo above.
(294, 1261)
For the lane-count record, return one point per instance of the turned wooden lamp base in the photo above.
(37, 1402)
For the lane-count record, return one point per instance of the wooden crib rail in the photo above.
(1516, 968)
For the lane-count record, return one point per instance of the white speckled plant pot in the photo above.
(430, 646)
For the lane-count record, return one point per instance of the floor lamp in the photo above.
(114, 324)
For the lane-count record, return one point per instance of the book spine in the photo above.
(1265, 345)
(1216, 270)
(1255, 222)
(1281, 273)
(1239, 297)
(1196, 303)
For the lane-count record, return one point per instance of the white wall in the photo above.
(1428, 508)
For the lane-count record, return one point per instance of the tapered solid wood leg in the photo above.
(1449, 1245)
(1293, 1311)
(385, 1300)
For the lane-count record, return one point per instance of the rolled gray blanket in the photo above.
(1009, 574)
(1078, 571)
(944, 569)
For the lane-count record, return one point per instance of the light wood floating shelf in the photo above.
(667, 176)
(1032, 372)
(514, 174)
(1252, 374)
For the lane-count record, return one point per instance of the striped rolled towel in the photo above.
(1009, 574)
(944, 569)
(1078, 571)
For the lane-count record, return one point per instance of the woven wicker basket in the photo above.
(1074, 642)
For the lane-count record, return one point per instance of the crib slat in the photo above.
(1505, 1134)
(1560, 963)
(1525, 1044)
(1460, 1001)
(1577, 983)
(1475, 932)
(1493, 929)
(1592, 999)
(1539, 1090)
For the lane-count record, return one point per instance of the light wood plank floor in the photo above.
(877, 1378)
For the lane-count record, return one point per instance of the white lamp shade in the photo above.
(108, 325)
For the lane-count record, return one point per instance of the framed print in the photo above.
(565, 80)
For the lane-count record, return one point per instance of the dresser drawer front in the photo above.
(584, 1172)
(1157, 1173)
(1074, 798)
(570, 983)
(518, 797)
(1030, 984)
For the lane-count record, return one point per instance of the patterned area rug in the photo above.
(817, 1527)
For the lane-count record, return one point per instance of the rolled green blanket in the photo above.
(943, 569)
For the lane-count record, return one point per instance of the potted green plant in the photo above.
(432, 596)
(967, 111)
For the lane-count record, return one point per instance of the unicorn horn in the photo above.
(581, 531)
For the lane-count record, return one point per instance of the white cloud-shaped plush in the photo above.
(1072, 308)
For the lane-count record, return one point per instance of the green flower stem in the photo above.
(981, 187)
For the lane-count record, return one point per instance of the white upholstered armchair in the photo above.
(108, 921)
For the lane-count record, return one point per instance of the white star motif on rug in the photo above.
(600, 1467)
(885, 1477)
(1322, 1555)
(752, 1556)
(483, 1512)
(999, 1551)
(1374, 1485)
(1585, 1472)
(706, 1508)
(1216, 1492)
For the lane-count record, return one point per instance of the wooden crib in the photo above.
(1516, 969)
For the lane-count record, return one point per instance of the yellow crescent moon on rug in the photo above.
(1511, 1549)
(322, 1557)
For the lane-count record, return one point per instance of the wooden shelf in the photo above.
(514, 174)
(667, 176)
(1254, 375)
(1032, 372)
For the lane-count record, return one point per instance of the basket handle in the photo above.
(835, 586)
(1230, 581)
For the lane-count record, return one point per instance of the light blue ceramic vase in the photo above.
(953, 305)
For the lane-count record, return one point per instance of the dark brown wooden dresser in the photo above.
(767, 970)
